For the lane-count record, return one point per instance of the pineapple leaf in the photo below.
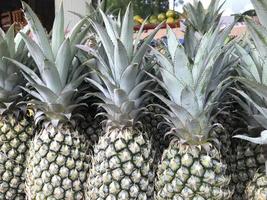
(173, 42)
(10, 35)
(264, 71)
(261, 10)
(140, 52)
(121, 60)
(38, 31)
(45, 93)
(174, 86)
(64, 61)
(138, 89)
(258, 140)
(259, 35)
(19, 42)
(262, 110)
(250, 65)
(163, 61)
(127, 29)
(51, 76)
(99, 86)
(181, 64)
(139, 35)
(106, 41)
(35, 51)
(189, 101)
(33, 93)
(27, 70)
(119, 97)
(113, 35)
(127, 106)
(128, 78)
(58, 30)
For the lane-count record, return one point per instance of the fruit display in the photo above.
(171, 17)
(102, 113)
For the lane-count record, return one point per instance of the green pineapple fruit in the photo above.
(58, 164)
(122, 165)
(257, 188)
(16, 127)
(253, 91)
(191, 167)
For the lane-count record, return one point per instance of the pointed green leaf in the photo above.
(10, 35)
(51, 76)
(35, 51)
(121, 61)
(38, 31)
(64, 61)
(27, 70)
(261, 10)
(173, 42)
(142, 50)
(259, 35)
(127, 31)
(58, 30)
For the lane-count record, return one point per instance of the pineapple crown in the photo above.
(119, 75)
(253, 68)
(192, 88)
(201, 19)
(60, 73)
(198, 22)
(10, 79)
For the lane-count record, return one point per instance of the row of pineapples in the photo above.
(165, 119)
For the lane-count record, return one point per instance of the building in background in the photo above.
(10, 12)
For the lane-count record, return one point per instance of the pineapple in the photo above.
(122, 165)
(16, 126)
(58, 163)
(252, 76)
(191, 167)
(257, 188)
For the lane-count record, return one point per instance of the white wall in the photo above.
(230, 6)
(71, 5)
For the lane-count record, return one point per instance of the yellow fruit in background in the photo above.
(137, 17)
(153, 17)
(154, 21)
(136, 23)
(170, 20)
(171, 13)
(141, 20)
(161, 17)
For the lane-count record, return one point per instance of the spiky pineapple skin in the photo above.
(15, 136)
(243, 158)
(257, 188)
(122, 167)
(191, 173)
(58, 164)
(151, 121)
(246, 159)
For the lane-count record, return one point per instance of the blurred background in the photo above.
(45, 9)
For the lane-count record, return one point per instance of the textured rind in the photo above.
(15, 137)
(122, 167)
(257, 188)
(58, 164)
(243, 158)
(191, 173)
(246, 159)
